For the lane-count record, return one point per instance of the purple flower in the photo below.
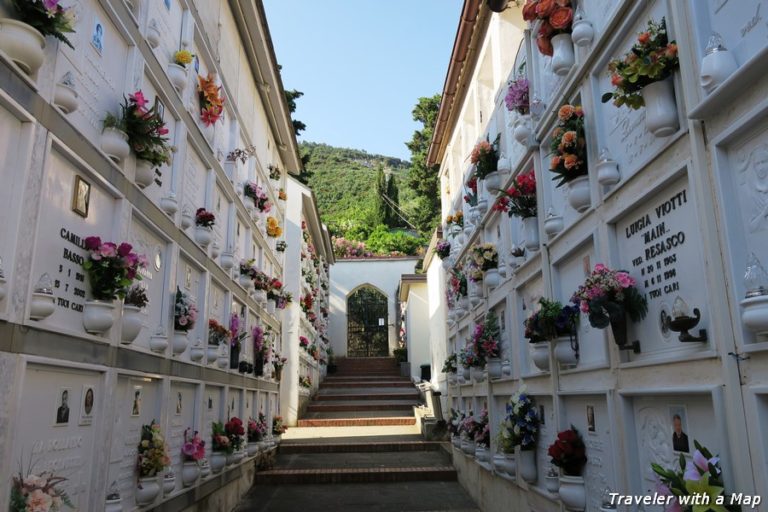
(124, 249)
(92, 243)
(517, 96)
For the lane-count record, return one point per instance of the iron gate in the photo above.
(367, 330)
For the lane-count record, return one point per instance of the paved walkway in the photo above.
(333, 465)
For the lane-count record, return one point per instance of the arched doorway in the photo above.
(367, 323)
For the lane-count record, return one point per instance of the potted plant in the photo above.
(152, 458)
(485, 344)
(135, 300)
(470, 428)
(519, 200)
(184, 318)
(278, 428)
(247, 271)
(211, 101)
(273, 228)
(220, 447)
(23, 38)
(177, 70)
(538, 341)
(443, 251)
(569, 156)
(204, 222)
(553, 37)
(111, 269)
(235, 432)
(485, 159)
(517, 100)
(147, 137)
(569, 454)
(114, 140)
(608, 297)
(257, 429)
(486, 260)
(643, 77)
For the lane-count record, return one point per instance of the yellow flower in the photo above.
(183, 57)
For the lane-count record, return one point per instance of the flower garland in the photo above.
(569, 145)
(519, 200)
(111, 268)
(211, 100)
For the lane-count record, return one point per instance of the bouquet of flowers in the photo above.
(607, 295)
(568, 452)
(48, 17)
(305, 382)
(278, 362)
(204, 218)
(236, 335)
(701, 475)
(568, 145)
(281, 246)
(483, 429)
(449, 366)
(517, 96)
(458, 283)
(217, 333)
(259, 347)
(257, 429)
(485, 339)
(556, 16)
(235, 432)
(307, 301)
(183, 58)
(454, 424)
(248, 268)
(278, 428)
(304, 342)
(136, 296)
(470, 197)
(273, 227)
(281, 195)
(34, 493)
(443, 249)
(153, 452)
(193, 449)
(467, 358)
(211, 100)
(147, 133)
(260, 199)
(274, 172)
(652, 59)
(470, 427)
(283, 299)
(519, 200)
(457, 219)
(485, 257)
(275, 289)
(185, 312)
(111, 268)
(219, 440)
(485, 158)
(521, 423)
(260, 280)
(551, 320)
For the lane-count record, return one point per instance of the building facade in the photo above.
(677, 202)
(87, 375)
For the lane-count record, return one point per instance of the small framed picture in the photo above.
(167, 4)
(97, 38)
(160, 107)
(81, 197)
(210, 403)
(179, 403)
(590, 418)
(678, 417)
(87, 405)
(62, 407)
(136, 407)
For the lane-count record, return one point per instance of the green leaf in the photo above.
(607, 97)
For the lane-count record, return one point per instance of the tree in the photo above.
(291, 97)
(392, 219)
(381, 189)
(423, 178)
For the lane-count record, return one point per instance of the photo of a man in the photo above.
(679, 437)
(62, 413)
(136, 408)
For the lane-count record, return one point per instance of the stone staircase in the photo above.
(369, 464)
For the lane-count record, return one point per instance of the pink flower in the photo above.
(92, 243)
(691, 471)
(124, 249)
(702, 463)
(188, 449)
(584, 306)
(624, 280)
(108, 250)
(600, 268)
(182, 320)
(39, 501)
(139, 99)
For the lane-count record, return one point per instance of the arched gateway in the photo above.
(367, 319)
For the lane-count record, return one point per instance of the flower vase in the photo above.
(466, 374)
(158, 343)
(494, 368)
(114, 143)
(234, 356)
(619, 330)
(66, 98)
(540, 355)
(98, 316)
(180, 342)
(132, 324)
(573, 493)
(153, 35)
(492, 278)
(218, 460)
(203, 236)
(261, 297)
(522, 131)
(145, 174)
(196, 353)
(252, 448)
(482, 207)
(482, 454)
(578, 193)
(258, 366)
(245, 281)
(477, 374)
(508, 465)
(468, 446)
(552, 483)
(147, 490)
(3, 290)
(23, 44)
(227, 260)
(222, 362)
(531, 229)
(178, 76)
(553, 225)
(215, 250)
(527, 465)
(564, 352)
(563, 56)
(660, 108)
(754, 314)
(190, 471)
(271, 307)
(169, 484)
(492, 183)
(113, 505)
(211, 353)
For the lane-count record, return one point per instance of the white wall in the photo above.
(437, 326)
(417, 329)
(347, 276)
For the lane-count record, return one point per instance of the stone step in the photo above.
(357, 422)
(356, 475)
(361, 405)
(323, 397)
(366, 383)
(359, 447)
(364, 378)
(363, 460)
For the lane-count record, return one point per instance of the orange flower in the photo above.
(644, 38)
(545, 30)
(616, 80)
(570, 161)
(569, 138)
(544, 8)
(671, 51)
(561, 19)
(529, 10)
(545, 45)
(565, 112)
(555, 162)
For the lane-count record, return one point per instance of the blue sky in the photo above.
(362, 64)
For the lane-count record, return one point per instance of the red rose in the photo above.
(644, 38)
(545, 29)
(545, 45)
(563, 3)
(544, 8)
(561, 18)
(529, 10)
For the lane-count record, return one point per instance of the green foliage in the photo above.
(384, 241)
(401, 354)
(423, 178)
(290, 98)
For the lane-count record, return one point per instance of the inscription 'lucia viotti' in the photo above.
(661, 211)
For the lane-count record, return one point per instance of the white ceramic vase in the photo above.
(158, 344)
(153, 35)
(65, 97)
(660, 108)
(540, 355)
(169, 484)
(573, 493)
(227, 260)
(522, 131)
(196, 353)
(147, 490)
(145, 174)
(754, 314)
(563, 56)
(178, 76)
(564, 354)
(492, 277)
(553, 225)
(203, 236)
(578, 193)
(23, 44)
(132, 324)
(190, 471)
(114, 143)
(218, 460)
(494, 368)
(492, 183)
(531, 229)
(98, 316)
(482, 454)
(180, 342)
(552, 483)
(527, 465)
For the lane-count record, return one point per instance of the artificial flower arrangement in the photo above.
(307, 302)
(278, 362)
(608, 295)
(281, 246)
(449, 366)
(483, 433)
(458, 283)
(468, 359)
(235, 431)
(521, 424)
(568, 145)
(313, 351)
(257, 428)
(278, 427)
(281, 195)
(204, 218)
(470, 196)
(283, 299)
(305, 382)
(260, 199)
(457, 219)
(568, 452)
(146, 130)
(220, 442)
(517, 99)
(443, 249)
(470, 427)
(260, 280)
(248, 268)
(652, 59)
(33, 493)
(484, 156)
(699, 476)
(217, 333)
(236, 335)
(111, 268)
(211, 100)
(556, 18)
(304, 342)
(485, 339)
(185, 311)
(48, 17)
(519, 200)
(551, 320)
(454, 424)
(136, 296)
(274, 172)
(193, 449)
(259, 346)
(275, 289)
(273, 227)
(152, 451)
(485, 257)
(183, 58)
